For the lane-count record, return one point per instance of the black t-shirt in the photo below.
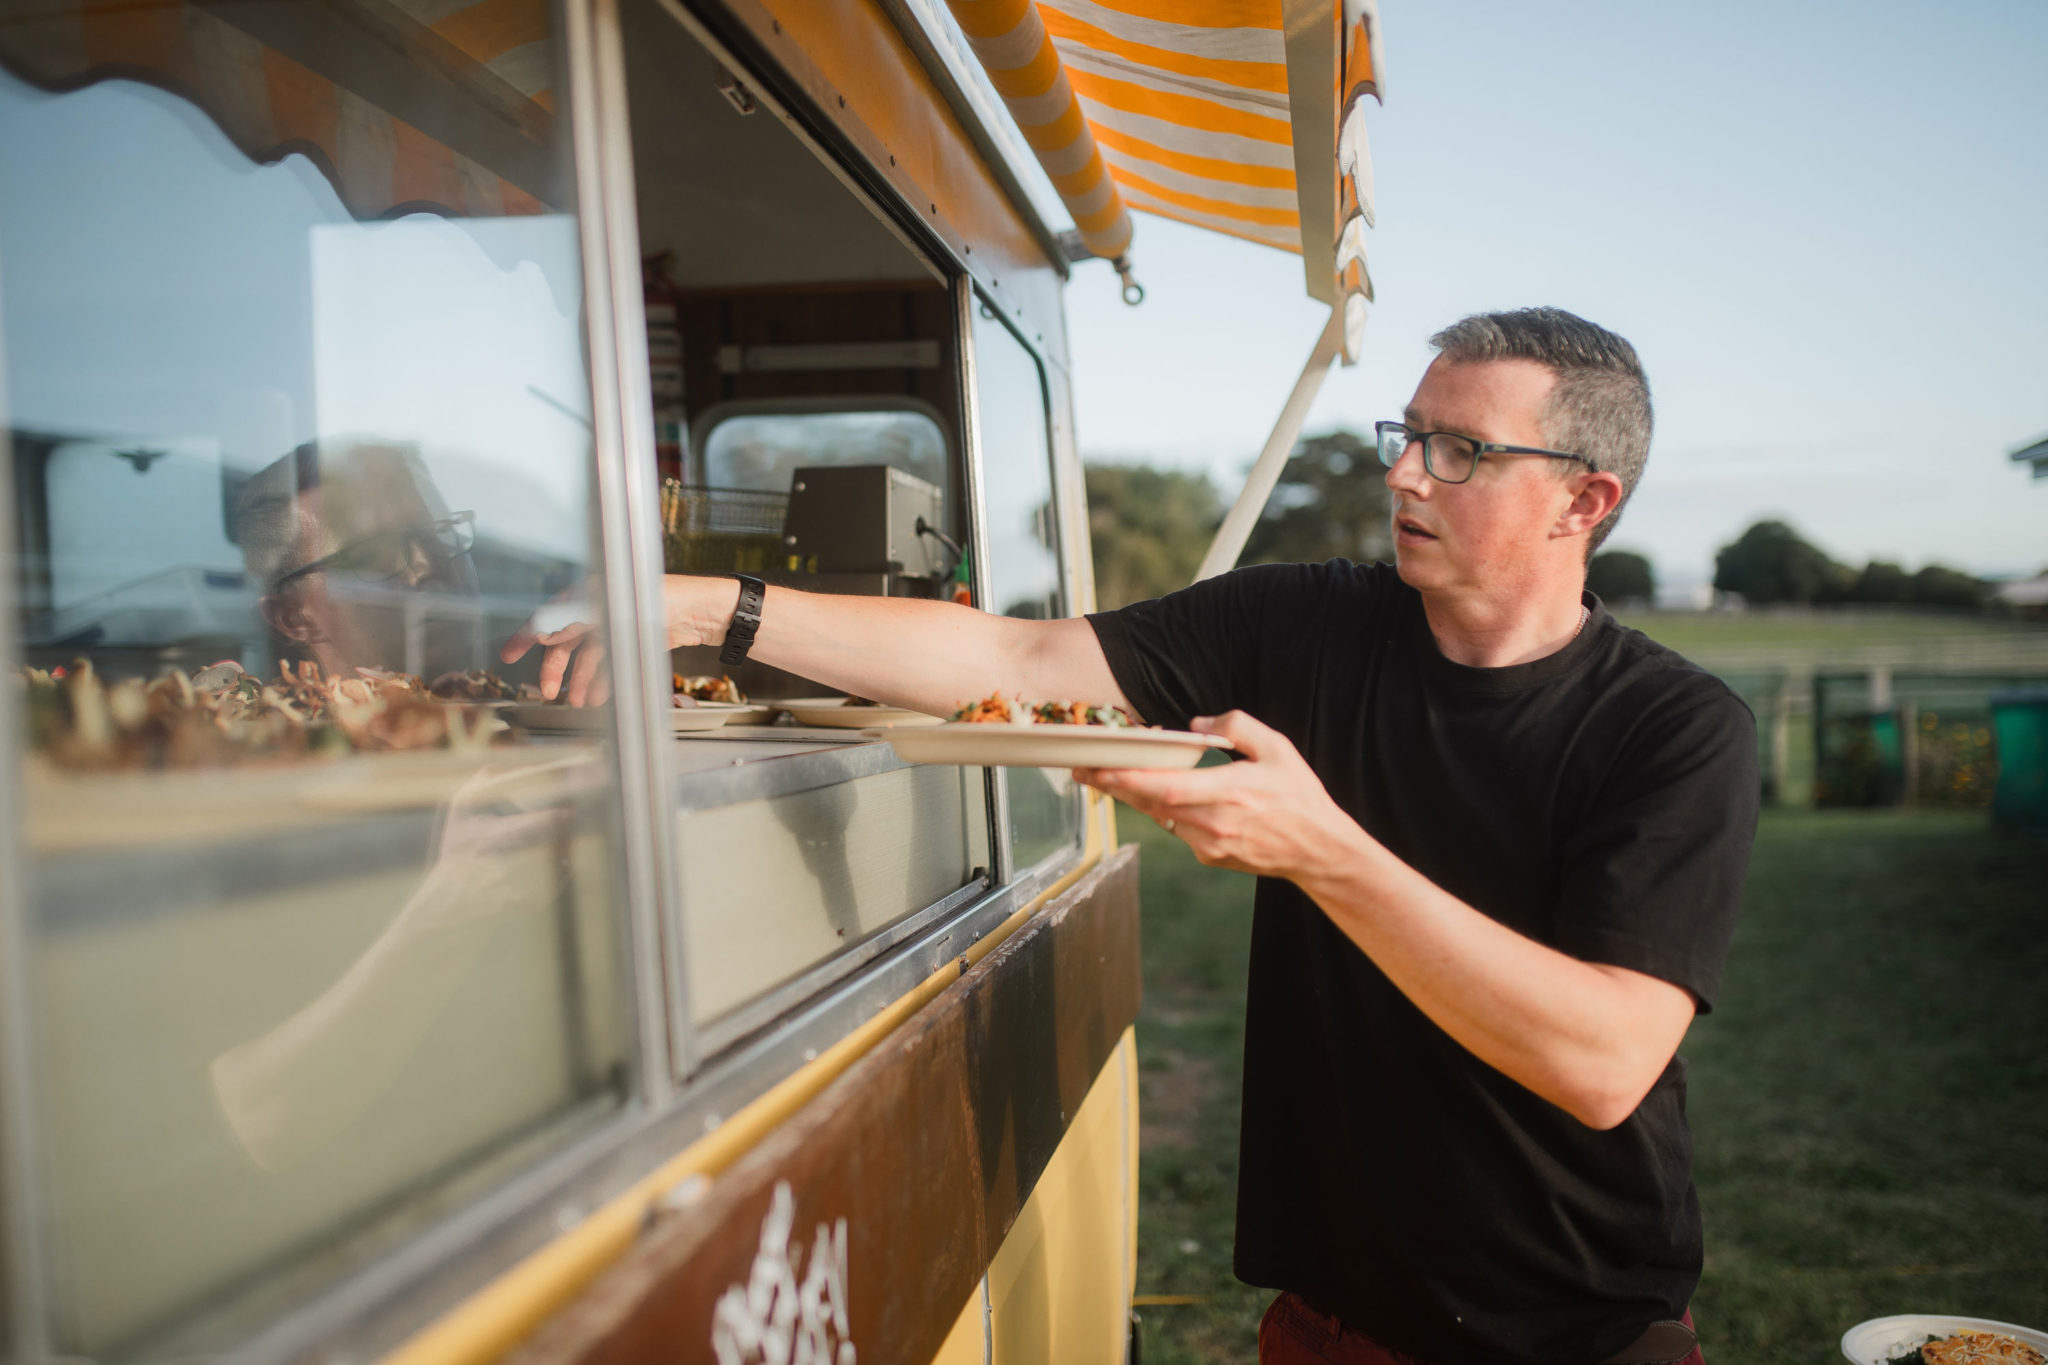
(1601, 801)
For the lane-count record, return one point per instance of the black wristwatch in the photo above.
(746, 619)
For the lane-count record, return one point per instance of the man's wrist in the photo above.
(701, 609)
(1347, 859)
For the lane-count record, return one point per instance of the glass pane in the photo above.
(773, 885)
(1022, 576)
(290, 298)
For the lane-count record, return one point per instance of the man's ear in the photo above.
(284, 613)
(1595, 498)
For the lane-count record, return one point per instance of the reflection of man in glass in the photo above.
(360, 562)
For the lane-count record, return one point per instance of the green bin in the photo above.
(2019, 728)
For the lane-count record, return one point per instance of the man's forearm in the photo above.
(1587, 1037)
(929, 656)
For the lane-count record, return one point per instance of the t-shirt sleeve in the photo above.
(1204, 650)
(1653, 879)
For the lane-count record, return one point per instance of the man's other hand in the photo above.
(1267, 813)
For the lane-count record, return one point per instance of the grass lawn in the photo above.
(1823, 629)
(1870, 1099)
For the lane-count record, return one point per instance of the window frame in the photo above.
(970, 297)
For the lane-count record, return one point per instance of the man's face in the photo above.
(1489, 533)
(408, 607)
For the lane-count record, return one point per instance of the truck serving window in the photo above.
(805, 374)
(319, 941)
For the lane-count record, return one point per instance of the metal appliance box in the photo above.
(863, 519)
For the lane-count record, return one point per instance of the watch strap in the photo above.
(746, 619)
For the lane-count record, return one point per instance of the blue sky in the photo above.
(1825, 227)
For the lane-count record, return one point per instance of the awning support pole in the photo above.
(1258, 485)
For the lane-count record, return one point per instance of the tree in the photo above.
(1621, 576)
(1771, 562)
(1940, 586)
(1881, 581)
(1150, 528)
(1331, 503)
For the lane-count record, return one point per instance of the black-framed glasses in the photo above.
(1449, 457)
(382, 558)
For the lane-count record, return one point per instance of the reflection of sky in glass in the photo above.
(762, 450)
(162, 291)
(1023, 572)
(183, 525)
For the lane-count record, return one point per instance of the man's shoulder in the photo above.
(1260, 591)
(1342, 573)
(1655, 682)
(1333, 579)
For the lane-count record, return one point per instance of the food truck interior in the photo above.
(791, 326)
(305, 965)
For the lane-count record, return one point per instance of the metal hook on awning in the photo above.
(1134, 293)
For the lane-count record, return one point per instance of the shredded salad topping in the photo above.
(996, 709)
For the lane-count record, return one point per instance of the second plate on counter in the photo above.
(833, 713)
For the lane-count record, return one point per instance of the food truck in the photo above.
(360, 1005)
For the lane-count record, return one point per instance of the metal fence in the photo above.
(1873, 736)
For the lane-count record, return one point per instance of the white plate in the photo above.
(833, 713)
(1052, 746)
(544, 716)
(1880, 1339)
(741, 712)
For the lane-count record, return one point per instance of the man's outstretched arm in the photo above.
(929, 656)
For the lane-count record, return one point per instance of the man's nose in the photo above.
(419, 565)
(1409, 475)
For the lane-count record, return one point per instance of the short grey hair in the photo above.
(1600, 406)
(266, 515)
(268, 521)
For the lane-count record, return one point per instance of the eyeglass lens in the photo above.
(1447, 458)
(391, 555)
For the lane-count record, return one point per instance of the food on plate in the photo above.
(224, 714)
(859, 701)
(1000, 710)
(1970, 1347)
(478, 684)
(708, 688)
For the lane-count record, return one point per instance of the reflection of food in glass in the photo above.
(223, 714)
(996, 709)
(480, 684)
(707, 687)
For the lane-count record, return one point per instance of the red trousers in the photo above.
(1295, 1333)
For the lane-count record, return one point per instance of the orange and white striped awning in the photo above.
(1198, 110)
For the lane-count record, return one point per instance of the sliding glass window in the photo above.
(1022, 576)
(320, 911)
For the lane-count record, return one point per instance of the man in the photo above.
(1500, 842)
(360, 561)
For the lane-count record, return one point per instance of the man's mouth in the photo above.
(1408, 528)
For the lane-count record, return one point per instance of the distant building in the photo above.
(2027, 594)
(2035, 455)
